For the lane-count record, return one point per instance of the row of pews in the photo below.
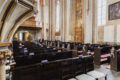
(102, 53)
(31, 53)
(62, 69)
(40, 61)
(56, 60)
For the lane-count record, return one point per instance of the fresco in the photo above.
(79, 11)
(79, 20)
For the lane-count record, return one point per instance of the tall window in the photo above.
(102, 5)
(58, 16)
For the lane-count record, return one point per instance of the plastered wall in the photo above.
(101, 30)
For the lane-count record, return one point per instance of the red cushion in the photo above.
(80, 52)
(105, 55)
(92, 53)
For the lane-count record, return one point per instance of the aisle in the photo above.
(111, 75)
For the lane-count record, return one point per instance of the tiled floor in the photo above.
(111, 75)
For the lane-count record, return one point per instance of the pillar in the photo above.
(2, 70)
(3, 56)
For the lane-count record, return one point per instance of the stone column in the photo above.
(2, 71)
(3, 57)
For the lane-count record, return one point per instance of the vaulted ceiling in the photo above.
(12, 14)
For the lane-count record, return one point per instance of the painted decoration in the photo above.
(79, 20)
(79, 11)
(114, 11)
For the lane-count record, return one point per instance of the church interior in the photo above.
(59, 40)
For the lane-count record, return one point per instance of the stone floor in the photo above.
(111, 75)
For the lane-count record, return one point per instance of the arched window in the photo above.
(58, 16)
(101, 12)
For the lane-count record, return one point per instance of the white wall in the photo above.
(109, 33)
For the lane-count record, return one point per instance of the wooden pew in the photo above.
(102, 54)
(115, 60)
(51, 70)
(30, 72)
(66, 69)
(80, 48)
(62, 69)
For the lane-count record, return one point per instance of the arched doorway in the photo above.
(28, 30)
